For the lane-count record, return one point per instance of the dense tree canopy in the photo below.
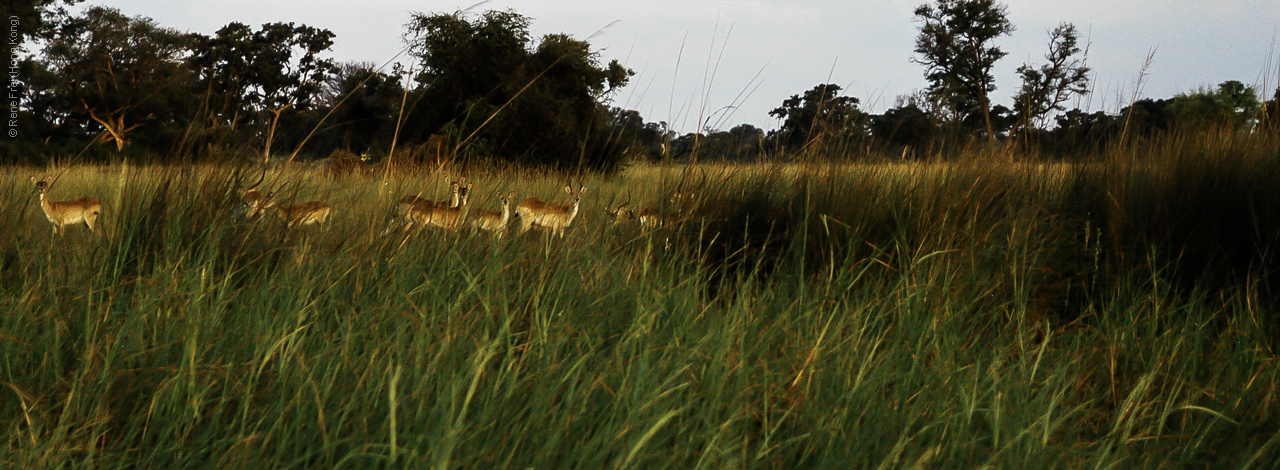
(505, 96)
(820, 114)
(114, 71)
(34, 19)
(255, 77)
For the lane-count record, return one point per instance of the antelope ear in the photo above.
(33, 180)
(582, 190)
(568, 189)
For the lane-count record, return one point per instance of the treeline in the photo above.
(481, 86)
(824, 124)
(957, 46)
(101, 85)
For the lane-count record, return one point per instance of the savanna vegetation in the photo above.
(949, 284)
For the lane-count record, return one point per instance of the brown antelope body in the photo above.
(436, 216)
(457, 191)
(307, 213)
(535, 213)
(495, 222)
(648, 216)
(423, 212)
(61, 213)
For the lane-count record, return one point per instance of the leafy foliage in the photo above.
(956, 47)
(820, 114)
(254, 78)
(1045, 89)
(503, 96)
(38, 19)
(366, 104)
(117, 72)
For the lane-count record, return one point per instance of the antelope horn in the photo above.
(261, 177)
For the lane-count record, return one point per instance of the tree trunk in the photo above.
(116, 128)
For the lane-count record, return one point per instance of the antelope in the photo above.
(436, 216)
(456, 192)
(495, 222)
(648, 216)
(618, 215)
(418, 211)
(253, 203)
(307, 213)
(84, 209)
(535, 213)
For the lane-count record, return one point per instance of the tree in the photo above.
(507, 97)
(259, 76)
(370, 101)
(819, 114)
(118, 72)
(956, 46)
(1078, 132)
(641, 140)
(904, 125)
(1045, 89)
(1269, 114)
(742, 143)
(1232, 105)
(465, 61)
(1147, 117)
(29, 19)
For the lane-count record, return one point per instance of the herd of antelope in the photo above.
(455, 213)
(413, 211)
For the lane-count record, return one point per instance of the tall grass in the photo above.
(867, 316)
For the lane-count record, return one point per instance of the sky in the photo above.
(729, 62)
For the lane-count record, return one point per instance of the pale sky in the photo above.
(741, 58)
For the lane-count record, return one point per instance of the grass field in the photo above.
(1119, 314)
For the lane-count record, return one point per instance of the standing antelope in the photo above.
(495, 222)
(436, 216)
(457, 191)
(424, 212)
(307, 213)
(61, 213)
(535, 213)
